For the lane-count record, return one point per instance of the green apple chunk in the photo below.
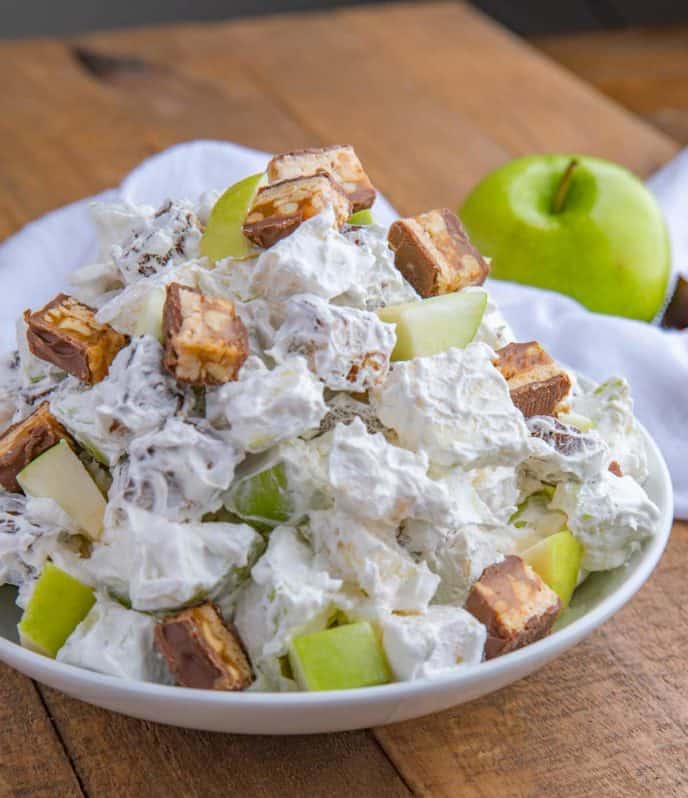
(263, 497)
(578, 225)
(362, 217)
(434, 325)
(557, 559)
(149, 321)
(57, 606)
(58, 474)
(223, 236)
(339, 658)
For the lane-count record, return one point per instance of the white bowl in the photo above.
(298, 713)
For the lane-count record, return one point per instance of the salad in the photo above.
(266, 443)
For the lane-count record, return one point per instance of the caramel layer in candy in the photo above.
(202, 651)
(536, 383)
(205, 342)
(25, 441)
(340, 161)
(434, 254)
(279, 208)
(65, 332)
(515, 605)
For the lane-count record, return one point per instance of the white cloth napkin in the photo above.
(35, 261)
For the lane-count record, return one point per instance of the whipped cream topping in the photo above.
(134, 398)
(455, 406)
(382, 283)
(456, 555)
(610, 516)
(561, 452)
(348, 349)
(610, 409)
(372, 479)
(169, 236)
(179, 471)
(369, 559)
(157, 564)
(264, 407)
(115, 641)
(32, 531)
(433, 642)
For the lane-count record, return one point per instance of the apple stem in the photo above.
(563, 187)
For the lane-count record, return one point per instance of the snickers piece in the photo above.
(25, 441)
(434, 254)
(675, 316)
(205, 342)
(515, 605)
(615, 468)
(202, 651)
(278, 209)
(66, 333)
(536, 383)
(339, 161)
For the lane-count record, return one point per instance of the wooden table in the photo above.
(432, 96)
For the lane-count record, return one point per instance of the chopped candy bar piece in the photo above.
(536, 383)
(24, 441)
(515, 605)
(205, 341)
(434, 254)
(279, 208)
(202, 651)
(615, 468)
(675, 316)
(341, 162)
(65, 332)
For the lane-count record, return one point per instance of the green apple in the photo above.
(149, 321)
(578, 225)
(262, 497)
(361, 217)
(339, 658)
(434, 325)
(58, 474)
(580, 422)
(223, 236)
(57, 606)
(557, 559)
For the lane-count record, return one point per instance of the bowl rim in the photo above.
(523, 660)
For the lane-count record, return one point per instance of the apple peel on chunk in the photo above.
(58, 474)
(433, 325)
(58, 604)
(339, 658)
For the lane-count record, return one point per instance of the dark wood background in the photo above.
(530, 17)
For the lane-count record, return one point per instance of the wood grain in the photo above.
(119, 756)
(432, 97)
(32, 759)
(643, 69)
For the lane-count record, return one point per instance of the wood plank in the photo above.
(431, 116)
(643, 69)
(609, 718)
(115, 755)
(59, 156)
(32, 759)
